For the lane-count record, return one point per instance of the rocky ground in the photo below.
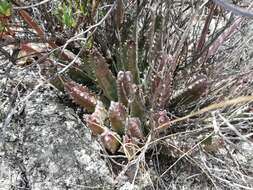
(46, 146)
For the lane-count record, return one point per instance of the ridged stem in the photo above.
(111, 141)
(117, 116)
(134, 128)
(104, 76)
(95, 121)
(81, 95)
(132, 65)
(124, 87)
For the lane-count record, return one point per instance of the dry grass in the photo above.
(216, 140)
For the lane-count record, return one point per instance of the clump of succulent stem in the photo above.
(127, 117)
(135, 94)
(134, 88)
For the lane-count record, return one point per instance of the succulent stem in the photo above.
(117, 116)
(95, 121)
(134, 128)
(104, 76)
(110, 140)
(137, 104)
(125, 87)
(132, 65)
(81, 95)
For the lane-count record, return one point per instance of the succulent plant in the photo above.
(135, 108)
(126, 78)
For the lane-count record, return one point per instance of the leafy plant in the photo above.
(72, 13)
(66, 15)
(5, 13)
(5, 8)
